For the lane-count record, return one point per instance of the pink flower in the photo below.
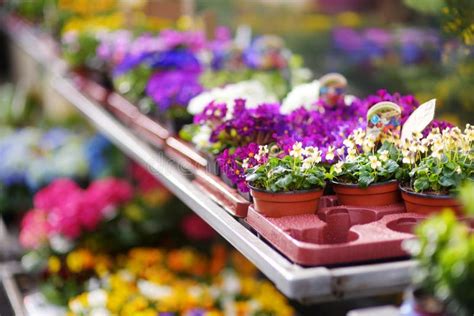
(145, 180)
(34, 229)
(108, 191)
(197, 229)
(55, 193)
(65, 218)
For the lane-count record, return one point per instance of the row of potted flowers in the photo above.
(427, 171)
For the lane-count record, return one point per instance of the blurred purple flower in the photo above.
(173, 88)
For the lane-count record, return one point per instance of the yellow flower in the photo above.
(54, 264)
(349, 19)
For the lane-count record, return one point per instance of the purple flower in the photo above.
(231, 164)
(173, 88)
(214, 113)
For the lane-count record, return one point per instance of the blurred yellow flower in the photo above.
(54, 264)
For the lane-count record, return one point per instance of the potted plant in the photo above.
(364, 175)
(444, 282)
(290, 185)
(434, 167)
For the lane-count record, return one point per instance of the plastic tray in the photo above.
(337, 233)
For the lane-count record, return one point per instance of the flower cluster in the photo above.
(171, 88)
(253, 91)
(64, 210)
(403, 46)
(325, 126)
(220, 128)
(114, 46)
(233, 165)
(166, 67)
(300, 170)
(439, 162)
(32, 157)
(265, 59)
(362, 163)
(151, 281)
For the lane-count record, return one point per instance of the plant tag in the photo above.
(332, 88)
(384, 120)
(419, 119)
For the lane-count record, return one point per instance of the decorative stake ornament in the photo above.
(384, 121)
(332, 88)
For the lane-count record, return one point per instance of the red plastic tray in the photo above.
(221, 193)
(338, 234)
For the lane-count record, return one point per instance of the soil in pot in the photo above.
(423, 203)
(286, 203)
(377, 194)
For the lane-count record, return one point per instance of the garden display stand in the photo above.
(338, 233)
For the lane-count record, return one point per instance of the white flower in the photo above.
(254, 92)
(263, 150)
(245, 163)
(359, 135)
(297, 150)
(154, 291)
(340, 151)
(351, 155)
(383, 155)
(76, 307)
(458, 170)
(97, 298)
(202, 138)
(99, 312)
(374, 162)
(60, 243)
(303, 95)
(313, 154)
(338, 167)
(348, 143)
(330, 153)
(369, 143)
(231, 283)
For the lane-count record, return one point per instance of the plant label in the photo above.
(419, 119)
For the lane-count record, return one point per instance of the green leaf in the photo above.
(447, 181)
(421, 184)
(284, 181)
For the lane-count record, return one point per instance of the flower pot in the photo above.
(377, 194)
(419, 303)
(212, 165)
(286, 203)
(424, 203)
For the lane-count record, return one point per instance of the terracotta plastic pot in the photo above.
(286, 203)
(423, 203)
(418, 303)
(377, 194)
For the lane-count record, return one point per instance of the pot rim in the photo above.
(286, 192)
(357, 185)
(426, 195)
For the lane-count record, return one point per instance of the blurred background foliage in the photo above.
(424, 47)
